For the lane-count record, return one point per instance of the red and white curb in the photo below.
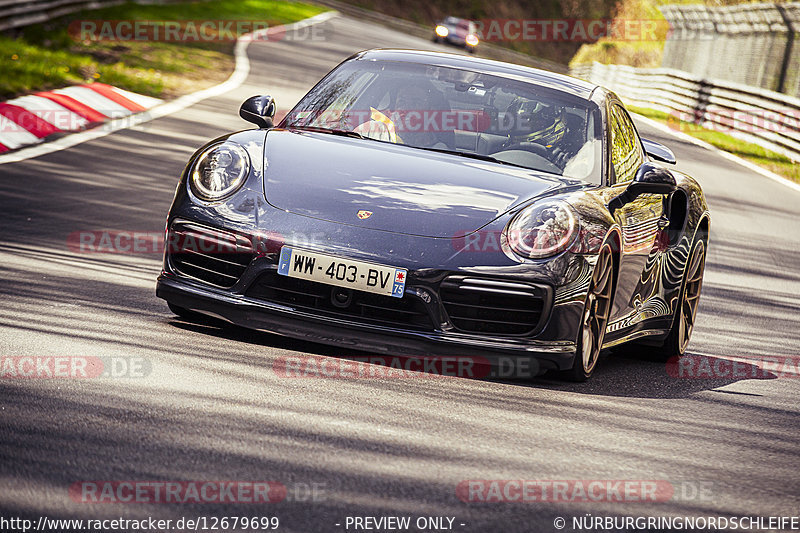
(31, 119)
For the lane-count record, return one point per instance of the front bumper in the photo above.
(284, 320)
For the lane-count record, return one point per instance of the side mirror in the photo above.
(658, 151)
(650, 179)
(260, 110)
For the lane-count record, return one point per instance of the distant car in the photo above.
(422, 203)
(458, 32)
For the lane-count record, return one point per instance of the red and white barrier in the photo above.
(30, 119)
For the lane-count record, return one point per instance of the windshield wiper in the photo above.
(343, 133)
(473, 155)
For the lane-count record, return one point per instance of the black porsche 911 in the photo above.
(428, 204)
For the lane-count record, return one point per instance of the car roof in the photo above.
(537, 76)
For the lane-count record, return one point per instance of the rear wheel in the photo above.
(688, 301)
(594, 319)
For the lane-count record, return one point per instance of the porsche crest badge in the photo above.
(363, 215)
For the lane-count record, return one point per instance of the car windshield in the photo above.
(477, 115)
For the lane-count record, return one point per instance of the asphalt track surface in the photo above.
(212, 408)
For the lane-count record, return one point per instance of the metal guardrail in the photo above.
(766, 118)
(18, 13)
(756, 44)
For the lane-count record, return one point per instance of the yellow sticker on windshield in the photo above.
(377, 116)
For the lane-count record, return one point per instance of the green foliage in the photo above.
(46, 56)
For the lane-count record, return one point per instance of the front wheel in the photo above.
(594, 318)
(688, 301)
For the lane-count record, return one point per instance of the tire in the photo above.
(594, 318)
(688, 301)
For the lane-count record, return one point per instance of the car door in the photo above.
(638, 279)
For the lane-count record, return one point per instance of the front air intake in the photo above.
(493, 306)
(209, 255)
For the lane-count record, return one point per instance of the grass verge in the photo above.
(46, 56)
(762, 157)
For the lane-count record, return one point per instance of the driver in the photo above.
(538, 122)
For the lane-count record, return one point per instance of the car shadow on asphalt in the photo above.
(634, 372)
(630, 372)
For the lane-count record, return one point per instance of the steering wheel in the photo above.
(536, 148)
(554, 155)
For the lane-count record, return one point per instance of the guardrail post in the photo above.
(787, 54)
(703, 93)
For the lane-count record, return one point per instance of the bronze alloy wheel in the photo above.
(595, 317)
(691, 295)
(689, 301)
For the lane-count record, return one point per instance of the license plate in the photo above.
(330, 270)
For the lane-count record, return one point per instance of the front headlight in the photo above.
(542, 230)
(441, 31)
(219, 171)
(472, 40)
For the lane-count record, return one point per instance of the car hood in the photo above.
(388, 187)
